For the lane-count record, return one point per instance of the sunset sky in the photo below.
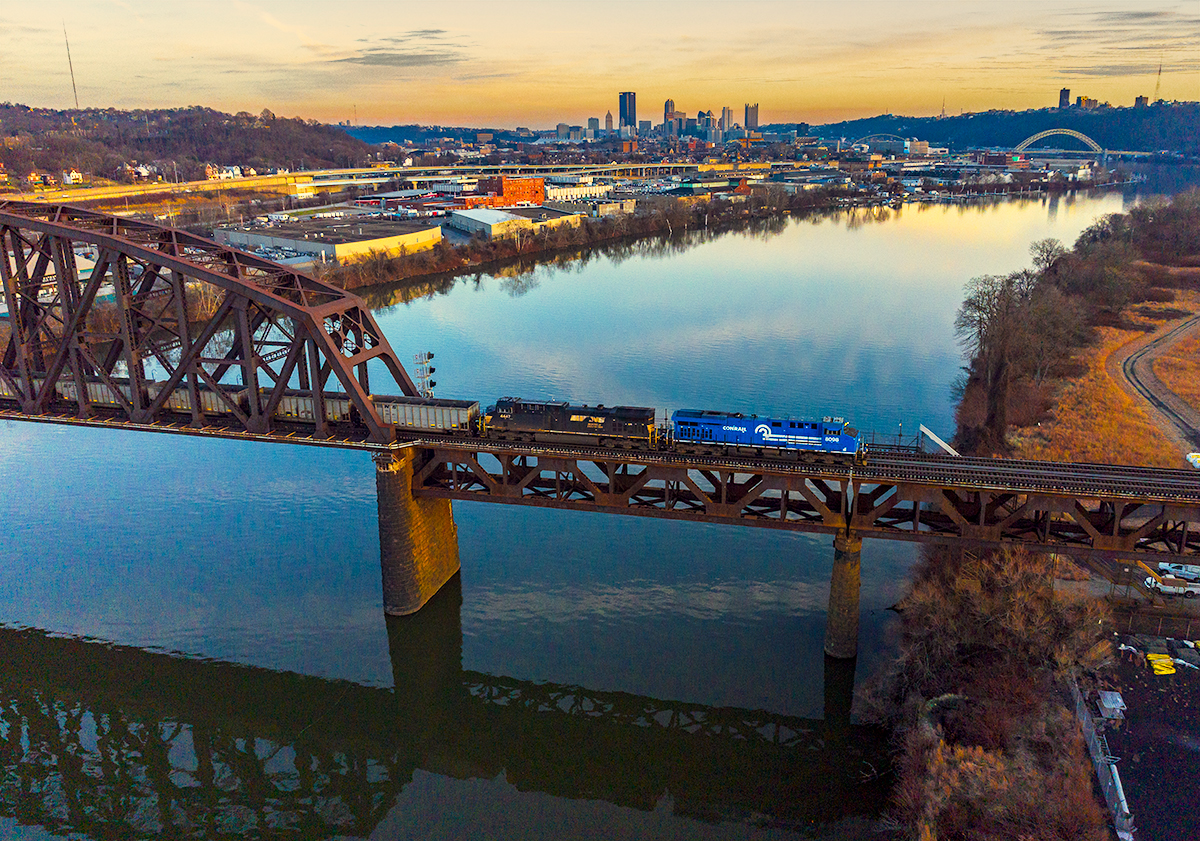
(505, 63)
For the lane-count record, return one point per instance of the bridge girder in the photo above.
(819, 500)
(194, 308)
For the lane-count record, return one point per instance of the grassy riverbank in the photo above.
(1092, 418)
(989, 748)
(1043, 343)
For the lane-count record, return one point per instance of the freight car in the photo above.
(425, 414)
(696, 430)
(405, 413)
(513, 419)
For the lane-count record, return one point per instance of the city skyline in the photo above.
(540, 63)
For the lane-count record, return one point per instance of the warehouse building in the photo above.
(344, 239)
(494, 222)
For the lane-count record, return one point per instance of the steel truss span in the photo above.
(1074, 509)
(166, 324)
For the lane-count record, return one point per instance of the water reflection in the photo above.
(114, 742)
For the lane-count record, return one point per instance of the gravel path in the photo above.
(1133, 367)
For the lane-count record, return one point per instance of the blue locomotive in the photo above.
(831, 435)
(691, 430)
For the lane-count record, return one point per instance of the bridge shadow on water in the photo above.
(116, 742)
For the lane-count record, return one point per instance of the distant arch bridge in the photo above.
(870, 137)
(1066, 132)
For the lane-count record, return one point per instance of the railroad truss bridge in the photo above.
(210, 322)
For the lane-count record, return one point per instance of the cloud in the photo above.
(383, 57)
(21, 29)
(1110, 70)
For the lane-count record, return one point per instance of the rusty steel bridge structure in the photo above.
(210, 320)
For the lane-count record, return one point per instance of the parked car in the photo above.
(1188, 572)
(1174, 587)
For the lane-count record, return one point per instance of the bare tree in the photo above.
(992, 324)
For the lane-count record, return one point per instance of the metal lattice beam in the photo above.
(193, 308)
(819, 499)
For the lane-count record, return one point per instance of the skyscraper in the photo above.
(608, 123)
(1064, 98)
(726, 118)
(751, 121)
(593, 124)
(668, 110)
(627, 102)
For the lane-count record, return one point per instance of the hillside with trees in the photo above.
(178, 140)
(1163, 126)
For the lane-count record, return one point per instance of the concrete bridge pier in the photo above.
(418, 541)
(841, 624)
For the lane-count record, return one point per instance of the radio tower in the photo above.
(72, 66)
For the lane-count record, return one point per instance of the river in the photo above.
(232, 571)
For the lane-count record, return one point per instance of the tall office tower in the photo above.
(608, 122)
(1064, 98)
(668, 110)
(726, 119)
(627, 102)
(593, 124)
(751, 121)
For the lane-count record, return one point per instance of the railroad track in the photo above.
(1132, 368)
(1146, 484)
(998, 475)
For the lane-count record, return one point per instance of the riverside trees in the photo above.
(1015, 325)
(1024, 326)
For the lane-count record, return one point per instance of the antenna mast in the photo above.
(72, 66)
(1157, 84)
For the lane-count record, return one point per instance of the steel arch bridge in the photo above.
(1066, 132)
(227, 332)
(878, 137)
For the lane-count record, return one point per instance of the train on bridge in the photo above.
(689, 431)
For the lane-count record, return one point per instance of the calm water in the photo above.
(569, 685)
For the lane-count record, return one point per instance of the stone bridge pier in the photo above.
(418, 548)
(841, 624)
(418, 541)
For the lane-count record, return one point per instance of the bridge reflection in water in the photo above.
(115, 742)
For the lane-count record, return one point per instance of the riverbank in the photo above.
(989, 749)
(1093, 416)
(664, 216)
(1051, 349)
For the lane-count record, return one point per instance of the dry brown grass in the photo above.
(989, 750)
(1095, 420)
(1179, 369)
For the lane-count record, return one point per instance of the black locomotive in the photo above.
(513, 419)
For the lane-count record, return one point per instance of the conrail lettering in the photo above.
(734, 428)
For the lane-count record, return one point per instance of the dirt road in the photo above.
(1133, 367)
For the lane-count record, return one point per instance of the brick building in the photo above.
(515, 190)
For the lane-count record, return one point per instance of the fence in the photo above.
(1106, 769)
(1169, 625)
